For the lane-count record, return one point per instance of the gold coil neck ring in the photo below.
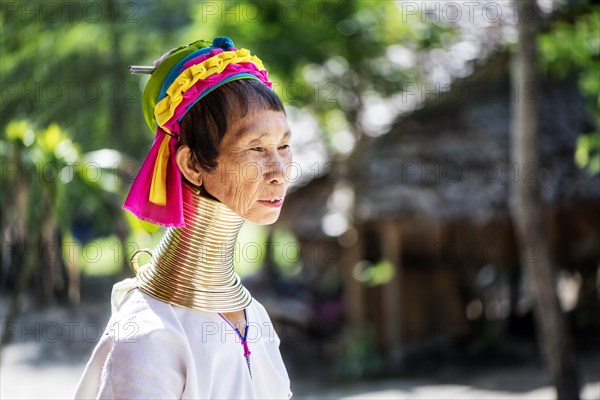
(192, 267)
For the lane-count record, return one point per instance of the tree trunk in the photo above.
(527, 210)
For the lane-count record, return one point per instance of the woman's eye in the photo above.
(285, 146)
(256, 148)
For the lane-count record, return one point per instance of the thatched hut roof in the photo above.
(450, 159)
(305, 207)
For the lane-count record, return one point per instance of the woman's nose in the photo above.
(275, 169)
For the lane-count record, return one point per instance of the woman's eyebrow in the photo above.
(257, 138)
(286, 135)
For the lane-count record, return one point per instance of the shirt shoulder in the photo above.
(143, 314)
(145, 327)
(142, 353)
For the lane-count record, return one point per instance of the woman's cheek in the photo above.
(233, 199)
(248, 191)
(254, 172)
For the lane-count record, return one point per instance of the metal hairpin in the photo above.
(141, 69)
(178, 138)
(148, 70)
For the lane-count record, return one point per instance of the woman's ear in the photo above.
(185, 162)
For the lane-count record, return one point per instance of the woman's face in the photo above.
(253, 166)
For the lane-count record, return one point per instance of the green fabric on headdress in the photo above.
(152, 90)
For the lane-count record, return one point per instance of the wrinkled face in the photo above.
(253, 164)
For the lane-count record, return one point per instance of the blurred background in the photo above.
(398, 267)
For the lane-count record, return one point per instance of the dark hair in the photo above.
(205, 124)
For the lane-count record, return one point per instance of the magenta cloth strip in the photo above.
(137, 202)
(199, 59)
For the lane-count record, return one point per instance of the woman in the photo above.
(185, 326)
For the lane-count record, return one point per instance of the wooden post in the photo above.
(353, 289)
(527, 212)
(391, 296)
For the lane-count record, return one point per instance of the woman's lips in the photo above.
(276, 204)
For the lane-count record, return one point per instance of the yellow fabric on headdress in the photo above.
(165, 109)
(158, 187)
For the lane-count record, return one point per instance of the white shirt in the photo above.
(155, 350)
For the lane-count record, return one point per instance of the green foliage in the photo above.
(374, 274)
(98, 258)
(323, 57)
(52, 199)
(575, 47)
(286, 253)
(250, 249)
(587, 154)
(68, 62)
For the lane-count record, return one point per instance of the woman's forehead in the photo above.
(259, 124)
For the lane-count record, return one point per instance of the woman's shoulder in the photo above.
(141, 353)
(139, 314)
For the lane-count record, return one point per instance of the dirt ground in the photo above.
(49, 350)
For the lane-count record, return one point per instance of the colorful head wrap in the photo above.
(180, 78)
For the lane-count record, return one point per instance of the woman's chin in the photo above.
(266, 219)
